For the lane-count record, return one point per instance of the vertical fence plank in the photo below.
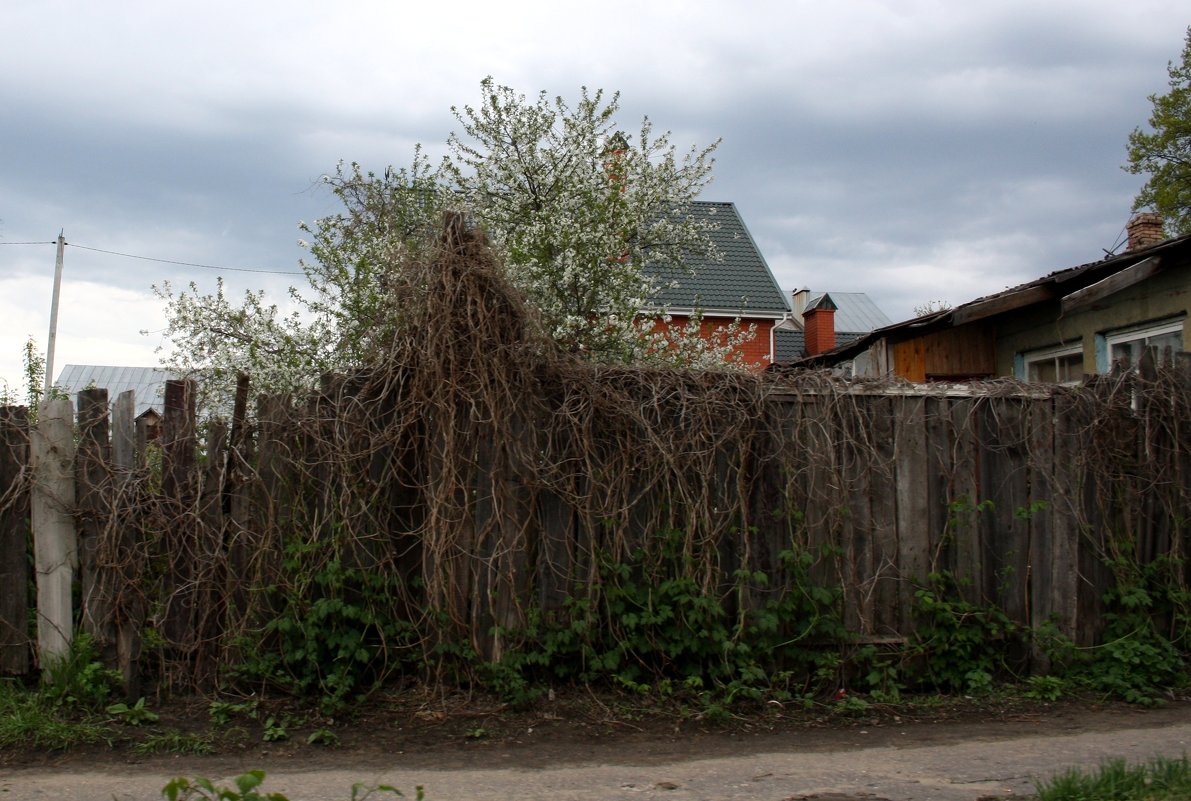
(476, 553)
(939, 472)
(128, 517)
(1106, 426)
(271, 500)
(857, 469)
(912, 499)
(1068, 488)
(514, 594)
(1041, 425)
(178, 487)
(1005, 482)
(210, 580)
(94, 488)
(14, 539)
(964, 498)
(55, 542)
(237, 501)
(883, 582)
(124, 432)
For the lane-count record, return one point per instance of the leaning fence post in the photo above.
(55, 543)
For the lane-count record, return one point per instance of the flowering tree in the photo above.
(573, 208)
(576, 209)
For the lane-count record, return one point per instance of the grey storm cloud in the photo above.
(912, 150)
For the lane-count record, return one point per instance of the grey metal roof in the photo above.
(147, 382)
(790, 345)
(740, 282)
(855, 312)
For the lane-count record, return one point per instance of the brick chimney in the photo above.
(1145, 230)
(819, 325)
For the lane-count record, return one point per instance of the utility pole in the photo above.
(49, 351)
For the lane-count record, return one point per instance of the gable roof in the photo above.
(740, 282)
(147, 382)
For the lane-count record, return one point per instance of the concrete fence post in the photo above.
(55, 542)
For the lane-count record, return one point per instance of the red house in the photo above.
(740, 286)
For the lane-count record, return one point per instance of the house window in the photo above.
(1163, 340)
(1063, 365)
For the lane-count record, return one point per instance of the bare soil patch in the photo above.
(577, 728)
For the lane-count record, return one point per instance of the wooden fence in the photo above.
(1027, 495)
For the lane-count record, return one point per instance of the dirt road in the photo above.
(945, 762)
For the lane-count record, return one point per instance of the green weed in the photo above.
(174, 742)
(1046, 688)
(1138, 659)
(650, 625)
(247, 787)
(29, 720)
(962, 646)
(79, 678)
(1157, 780)
(136, 715)
(221, 713)
(324, 737)
(275, 730)
(335, 636)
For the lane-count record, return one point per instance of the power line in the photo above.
(163, 261)
(182, 263)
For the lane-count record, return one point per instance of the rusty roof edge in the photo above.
(946, 317)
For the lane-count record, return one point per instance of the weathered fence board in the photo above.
(912, 498)
(94, 490)
(124, 452)
(964, 500)
(1040, 584)
(883, 583)
(14, 541)
(125, 540)
(179, 485)
(939, 469)
(211, 576)
(857, 475)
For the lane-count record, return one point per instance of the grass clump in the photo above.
(31, 720)
(175, 742)
(1157, 780)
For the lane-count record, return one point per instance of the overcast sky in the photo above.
(917, 151)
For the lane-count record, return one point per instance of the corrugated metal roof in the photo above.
(855, 312)
(147, 382)
(740, 282)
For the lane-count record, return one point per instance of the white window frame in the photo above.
(1141, 332)
(1054, 353)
